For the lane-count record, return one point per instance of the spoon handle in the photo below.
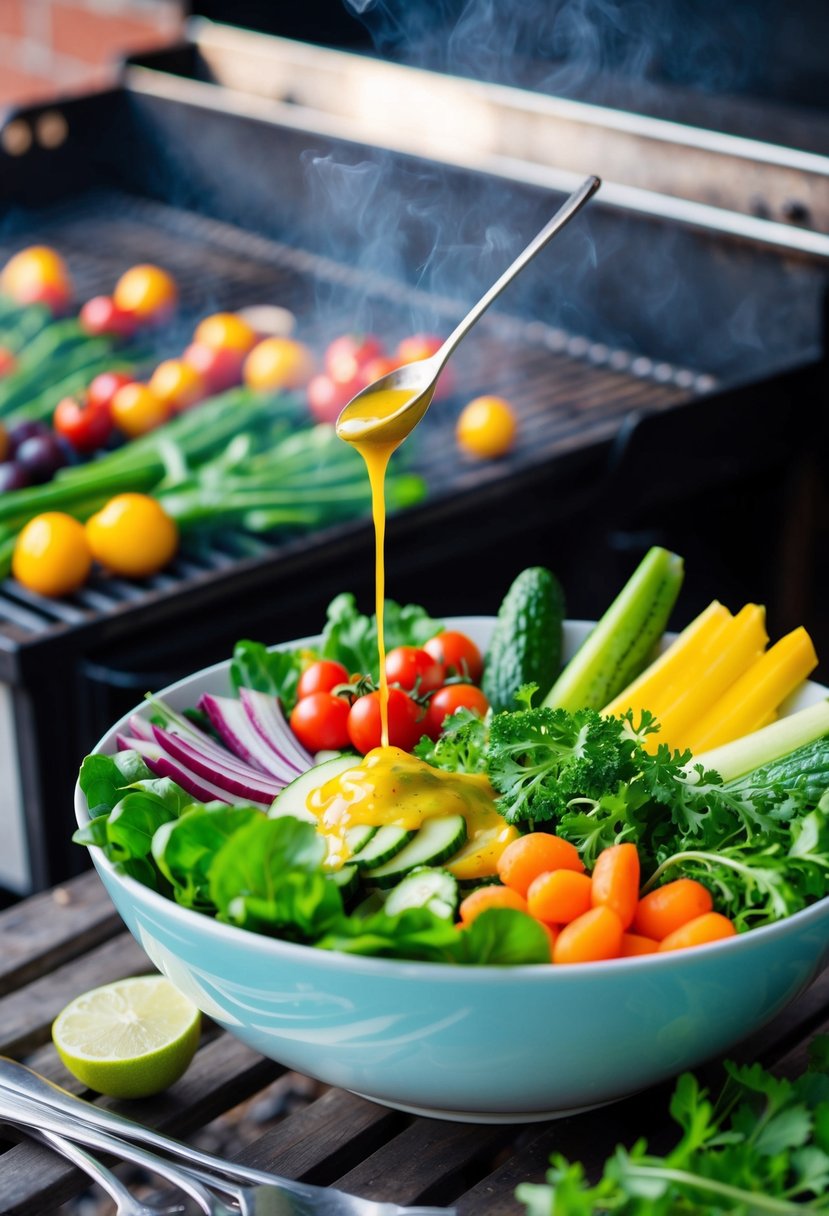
(565, 213)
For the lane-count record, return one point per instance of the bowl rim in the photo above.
(408, 968)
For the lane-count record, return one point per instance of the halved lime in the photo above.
(128, 1039)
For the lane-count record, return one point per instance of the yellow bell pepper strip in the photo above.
(746, 705)
(740, 644)
(657, 685)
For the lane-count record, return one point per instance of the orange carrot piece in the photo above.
(633, 944)
(481, 898)
(537, 853)
(615, 881)
(559, 896)
(591, 937)
(667, 908)
(710, 927)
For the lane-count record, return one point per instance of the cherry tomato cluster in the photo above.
(353, 361)
(337, 710)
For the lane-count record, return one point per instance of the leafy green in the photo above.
(539, 760)
(461, 746)
(760, 844)
(103, 778)
(184, 848)
(350, 638)
(761, 1147)
(272, 671)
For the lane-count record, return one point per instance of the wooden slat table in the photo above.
(58, 944)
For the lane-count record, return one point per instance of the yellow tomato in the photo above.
(486, 427)
(225, 331)
(52, 555)
(37, 275)
(136, 410)
(132, 535)
(146, 291)
(278, 363)
(177, 384)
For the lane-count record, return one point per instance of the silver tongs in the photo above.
(30, 1101)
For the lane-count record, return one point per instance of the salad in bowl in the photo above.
(572, 870)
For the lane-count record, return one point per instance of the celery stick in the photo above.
(624, 639)
(769, 743)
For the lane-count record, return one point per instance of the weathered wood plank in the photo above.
(26, 1015)
(47, 930)
(426, 1160)
(325, 1138)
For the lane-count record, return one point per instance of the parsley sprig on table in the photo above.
(761, 1147)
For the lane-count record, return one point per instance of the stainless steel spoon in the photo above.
(358, 422)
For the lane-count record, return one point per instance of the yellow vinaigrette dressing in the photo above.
(389, 786)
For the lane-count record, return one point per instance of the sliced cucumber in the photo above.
(293, 800)
(425, 887)
(375, 901)
(437, 840)
(357, 838)
(384, 844)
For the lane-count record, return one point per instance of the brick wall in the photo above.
(50, 47)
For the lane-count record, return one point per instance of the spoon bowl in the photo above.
(386, 411)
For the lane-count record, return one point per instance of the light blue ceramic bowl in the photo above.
(479, 1043)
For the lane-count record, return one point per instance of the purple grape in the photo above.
(41, 456)
(12, 476)
(21, 431)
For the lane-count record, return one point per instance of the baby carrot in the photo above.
(559, 896)
(616, 881)
(593, 936)
(633, 944)
(668, 908)
(710, 927)
(528, 856)
(479, 900)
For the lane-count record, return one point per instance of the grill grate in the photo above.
(567, 391)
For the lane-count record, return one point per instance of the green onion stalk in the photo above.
(235, 460)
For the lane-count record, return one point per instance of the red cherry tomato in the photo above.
(423, 346)
(346, 357)
(101, 315)
(86, 427)
(377, 368)
(414, 669)
(458, 653)
(451, 697)
(320, 722)
(326, 399)
(104, 387)
(219, 367)
(322, 676)
(406, 721)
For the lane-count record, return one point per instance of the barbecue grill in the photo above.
(666, 359)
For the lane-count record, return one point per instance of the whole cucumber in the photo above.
(525, 647)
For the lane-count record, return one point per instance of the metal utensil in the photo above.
(27, 1098)
(126, 1204)
(419, 379)
(38, 1117)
